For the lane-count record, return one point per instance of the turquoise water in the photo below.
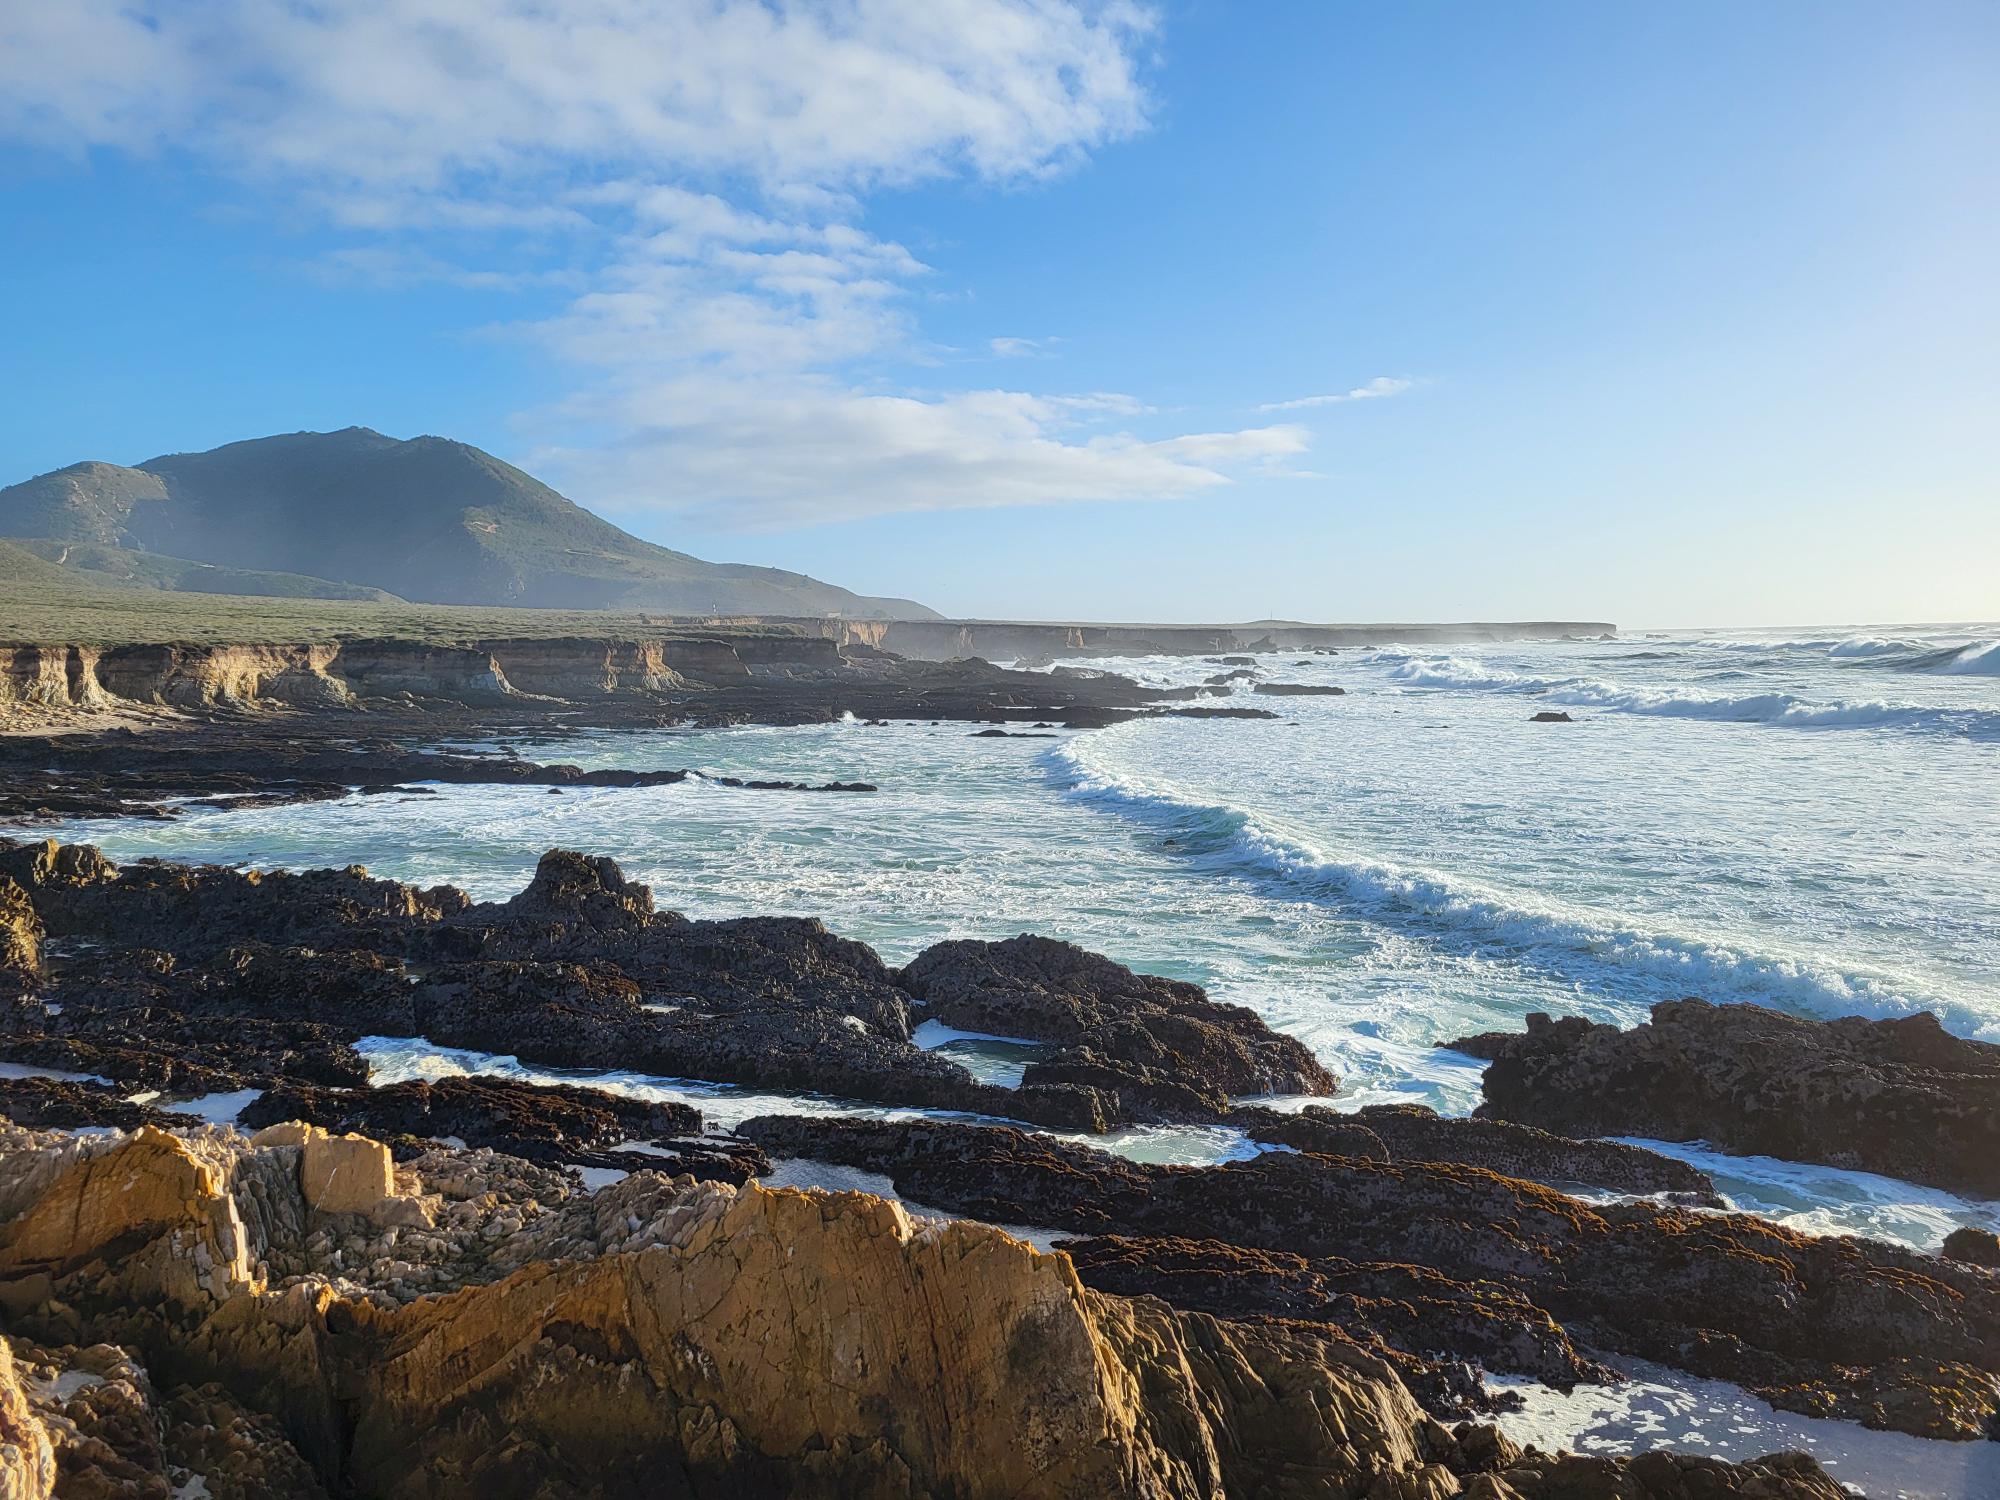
(1807, 820)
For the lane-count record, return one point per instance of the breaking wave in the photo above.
(1980, 659)
(1771, 707)
(1573, 943)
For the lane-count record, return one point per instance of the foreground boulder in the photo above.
(1844, 1328)
(717, 1341)
(1903, 1097)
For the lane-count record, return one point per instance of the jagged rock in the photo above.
(1406, 1313)
(20, 939)
(27, 1457)
(1411, 1132)
(152, 1192)
(1838, 1327)
(1902, 1097)
(719, 1342)
(580, 891)
(1550, 716)
(346, 1174)
(116, 1438)
(118, 1019)
(201, 910)
(1163, 1042)
(1979, 1247)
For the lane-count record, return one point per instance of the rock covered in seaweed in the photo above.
(1412, 1132)
(1121, 1031)
(1844, 1328)
(1901, 1097)
(580, 970)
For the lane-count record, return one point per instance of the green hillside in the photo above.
(121, 567)
(427, 519)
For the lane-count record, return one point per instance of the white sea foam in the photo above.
(59, 1075)
(1572, 941)
(1821, 1200)
(395, 1059)
(1661, 1408)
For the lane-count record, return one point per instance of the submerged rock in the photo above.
(1901, 1097)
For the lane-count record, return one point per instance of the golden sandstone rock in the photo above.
(27, 1459)
(707, 1341)
(149, 1219)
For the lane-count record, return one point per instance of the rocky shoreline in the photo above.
(1901, 1097)
(216, 732)
(1386, 1257)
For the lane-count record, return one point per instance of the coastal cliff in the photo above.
(724, 652)
(338, 674)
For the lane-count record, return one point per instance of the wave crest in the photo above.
(1573, 943)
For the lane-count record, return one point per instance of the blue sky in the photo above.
(1670, 315)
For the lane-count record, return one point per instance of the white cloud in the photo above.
(814, 451)
(1380, 386)
(696, 171)
(820, 94)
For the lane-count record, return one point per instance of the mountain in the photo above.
(425, 519)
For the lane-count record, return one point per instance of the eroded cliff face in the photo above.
(89, 677)
(50, 676)
(673, 1338)
(341, 674)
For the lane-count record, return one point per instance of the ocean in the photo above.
(1803, 819)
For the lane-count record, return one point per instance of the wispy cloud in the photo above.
(1380, 386)
(811, 450)
(690, 180)
(1016, 348)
